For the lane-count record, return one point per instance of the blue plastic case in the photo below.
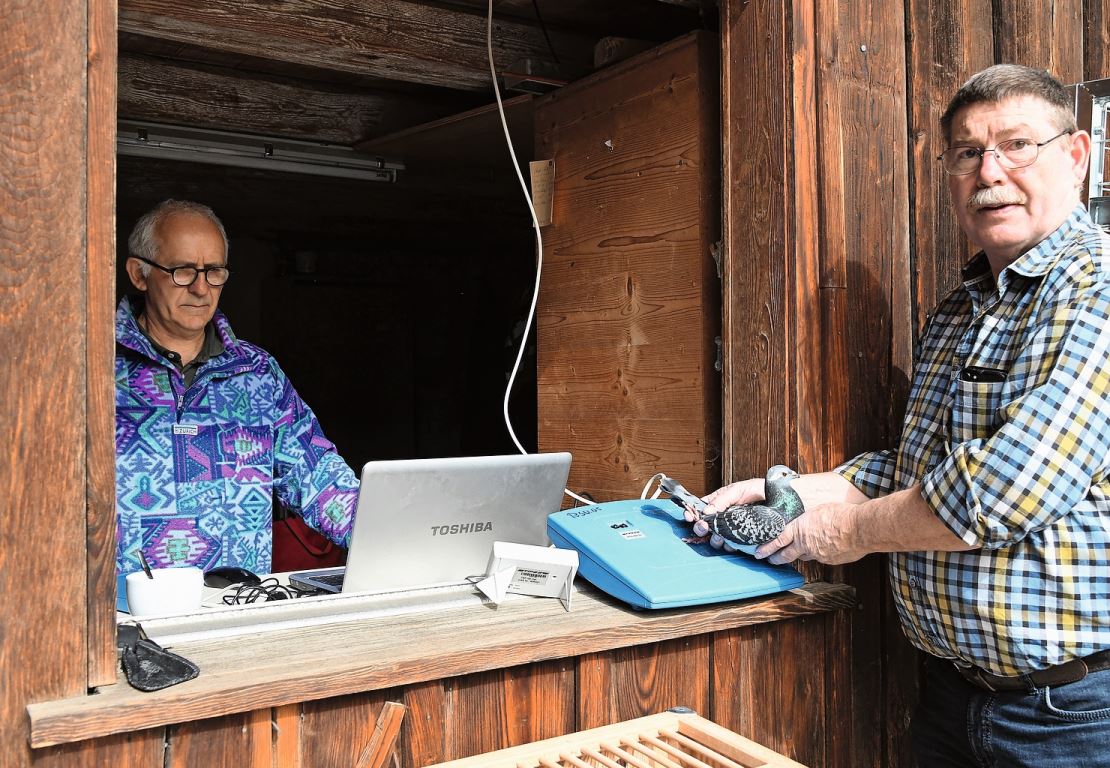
(634, 550)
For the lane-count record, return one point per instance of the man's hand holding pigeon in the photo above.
(822, 536)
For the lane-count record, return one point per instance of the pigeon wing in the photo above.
(748, 524)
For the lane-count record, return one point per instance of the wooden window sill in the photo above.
(282, 666)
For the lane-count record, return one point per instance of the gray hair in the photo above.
(143, 242)
(1007, 81)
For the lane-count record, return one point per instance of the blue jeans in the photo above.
(959, 724)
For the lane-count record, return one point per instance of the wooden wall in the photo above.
(722, 675)
(839, 239)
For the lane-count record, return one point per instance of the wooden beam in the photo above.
(474, 137)
(1096, 44)
(100, 469)
(393, 39)
(44, 306)
(160, 90)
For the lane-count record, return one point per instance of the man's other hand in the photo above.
(825, 533)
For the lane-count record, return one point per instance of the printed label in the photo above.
(530, 576)
(635, 533)
(186, 429)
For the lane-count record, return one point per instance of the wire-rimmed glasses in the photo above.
(186, 275)
(1010, 154)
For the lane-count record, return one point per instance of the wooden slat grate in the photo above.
(666, 740)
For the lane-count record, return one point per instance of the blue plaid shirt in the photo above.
(1008, 431)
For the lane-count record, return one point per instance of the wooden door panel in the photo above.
(629, 304)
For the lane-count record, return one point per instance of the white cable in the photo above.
(652, 479)
(539, 244)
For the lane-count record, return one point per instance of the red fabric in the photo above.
(297, 547)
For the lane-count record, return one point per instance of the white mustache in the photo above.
(991, 196)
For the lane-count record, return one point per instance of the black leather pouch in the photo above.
(147, 665)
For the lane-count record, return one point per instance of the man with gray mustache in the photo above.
(995, 505)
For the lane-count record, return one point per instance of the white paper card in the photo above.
(527, 569)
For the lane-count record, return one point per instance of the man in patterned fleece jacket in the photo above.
(208, 427)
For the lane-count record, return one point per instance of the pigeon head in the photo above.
(780, 472)
(778, 492)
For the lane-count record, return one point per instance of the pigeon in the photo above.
(746, 526)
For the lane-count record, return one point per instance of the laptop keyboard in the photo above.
(332, 579)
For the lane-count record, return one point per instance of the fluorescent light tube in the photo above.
(197, 145)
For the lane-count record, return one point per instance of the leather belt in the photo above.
(1062, 674)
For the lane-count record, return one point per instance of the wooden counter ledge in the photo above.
(280, 667)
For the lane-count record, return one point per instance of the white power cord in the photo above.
(539, 244)
(652, 479)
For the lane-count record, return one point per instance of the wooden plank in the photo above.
(780, 704)
(478, 714)
(628, 18)
(948, 42)
(1041, 35)
(205, 96)
(1096, 39)
(629, 296)
(391, 39)
(631, 682)
(902, 678)
(44, 420)
(334, 731)
(865, 310)
(400, 650)
(287, 737)
(757, 398)
(382, 746)
(811, 394)
(474, 137)
(424, 732)
(843, 746)
(100, 467)
(241, 740)
(500, 708)
(142, 749)
(539, 701)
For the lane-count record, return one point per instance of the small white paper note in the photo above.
(543, 188)
(526, 569)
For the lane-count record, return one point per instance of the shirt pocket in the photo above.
(216, 452)
(976, 410)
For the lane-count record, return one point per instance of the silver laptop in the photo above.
(425, 522)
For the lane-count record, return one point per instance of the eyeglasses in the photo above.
(1010, 154)
(186, 276)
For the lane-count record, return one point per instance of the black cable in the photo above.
(264, 592)
(543, 28)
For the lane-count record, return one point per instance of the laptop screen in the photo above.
(422, 522)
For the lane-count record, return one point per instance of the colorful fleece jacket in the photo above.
(197, 468)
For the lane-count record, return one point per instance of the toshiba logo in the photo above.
(452, 530)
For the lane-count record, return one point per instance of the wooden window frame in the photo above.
(100, 470)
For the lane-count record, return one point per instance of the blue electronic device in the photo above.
(635, 550)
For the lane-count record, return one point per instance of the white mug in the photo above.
(172, 590)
